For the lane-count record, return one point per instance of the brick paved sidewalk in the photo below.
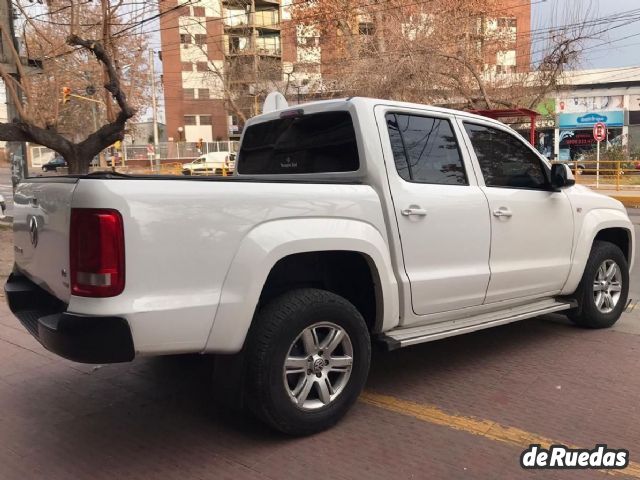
(155, 418)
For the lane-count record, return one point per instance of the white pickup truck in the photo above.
(346, 221)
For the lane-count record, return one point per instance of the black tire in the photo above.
(276, 326)
(587, 314)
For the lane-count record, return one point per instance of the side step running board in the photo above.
(404, 337)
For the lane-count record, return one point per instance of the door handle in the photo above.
(502, 212)
(420, 212)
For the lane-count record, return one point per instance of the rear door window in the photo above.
(425, 149)
(314, 143)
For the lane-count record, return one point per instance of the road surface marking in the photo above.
(483, 428)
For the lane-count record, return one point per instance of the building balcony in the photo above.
(267, 20)
(245, 3)
(242, 27)
(261, 52)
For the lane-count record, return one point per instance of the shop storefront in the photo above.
(578, 115)
(634, 124)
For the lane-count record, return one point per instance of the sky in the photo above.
(618, 47)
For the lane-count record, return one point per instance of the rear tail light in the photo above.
(96, 252)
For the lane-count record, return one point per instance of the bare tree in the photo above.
(75, 45)
(445, 51)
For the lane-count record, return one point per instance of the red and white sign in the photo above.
(599, 131)
(150, 149)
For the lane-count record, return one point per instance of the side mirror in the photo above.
(561, 176)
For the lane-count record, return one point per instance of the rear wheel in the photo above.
(307, 362)
(603, 290)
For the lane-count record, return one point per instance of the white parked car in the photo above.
(346, 221)
(213, 163)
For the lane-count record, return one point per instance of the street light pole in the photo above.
(155, 110)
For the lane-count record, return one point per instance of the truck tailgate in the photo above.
(41, 232)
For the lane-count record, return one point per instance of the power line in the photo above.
(523, 34)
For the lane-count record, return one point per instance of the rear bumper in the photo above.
(81, 338)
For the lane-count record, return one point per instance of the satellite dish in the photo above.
(274, 101)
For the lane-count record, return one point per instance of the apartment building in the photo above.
(218, 58)
(221, 57)
(505, 38)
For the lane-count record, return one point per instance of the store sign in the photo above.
(590, 104)
(588, 120)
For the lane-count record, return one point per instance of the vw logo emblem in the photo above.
(33, 231)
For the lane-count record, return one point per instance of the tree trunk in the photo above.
(78, 163)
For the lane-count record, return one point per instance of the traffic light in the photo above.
(66, 93)
(117, 145)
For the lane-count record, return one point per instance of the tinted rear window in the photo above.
(314, 143)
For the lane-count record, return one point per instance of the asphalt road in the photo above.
(634, 287)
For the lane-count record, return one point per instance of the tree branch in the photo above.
(475, 74)
(10, 84)
(21, 131)
(113, 81)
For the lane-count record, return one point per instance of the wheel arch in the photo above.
(272, 248)
(621, 237)
(601, 224)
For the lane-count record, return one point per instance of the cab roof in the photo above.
(367, 103)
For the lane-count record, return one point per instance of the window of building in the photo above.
(203, 93)
(505, 160)
(506, 57)
(205, 120)
(425, 150)
(505, 22)
(198, 12)
(187, 66)
(190, 120)
(366, 28)
(309, 41)
(314, 143)
(200, 38)
(202, 67)
(185, 38)
(188, 93)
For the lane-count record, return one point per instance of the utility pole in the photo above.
(17, 150)
(155, 110)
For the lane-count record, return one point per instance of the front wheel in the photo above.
(308, 360)
(603, 290)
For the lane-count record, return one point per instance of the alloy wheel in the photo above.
(607, 286)
(318, 365)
